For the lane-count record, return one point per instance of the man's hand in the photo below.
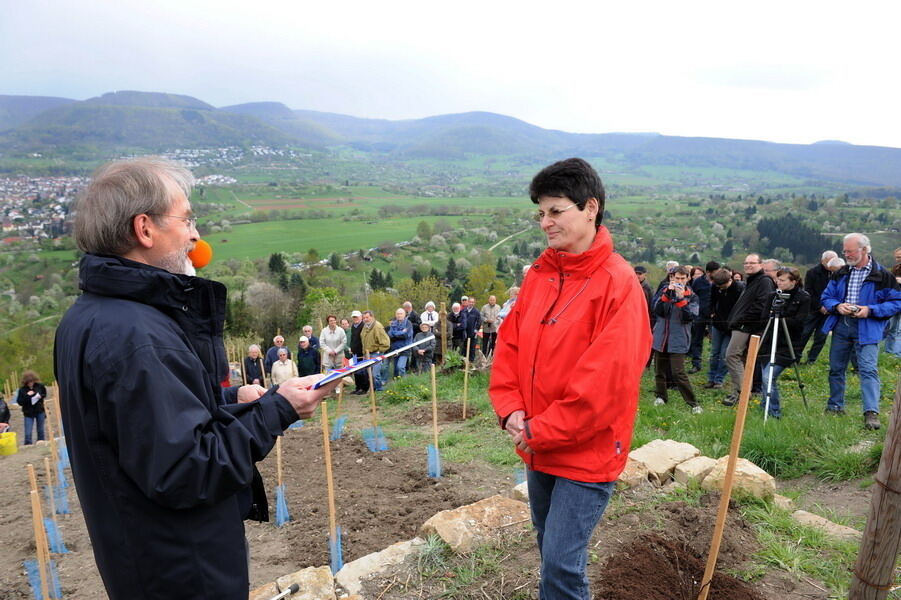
(844, 309)
(863, 312)
(304, 400)
(824, 310)
(515, 422)
(521, 444)
(249, 393)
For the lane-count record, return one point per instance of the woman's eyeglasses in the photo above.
(554, 213)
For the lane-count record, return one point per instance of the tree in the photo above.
(312, 256)
(483, 282)
(277, 263)
(334, 261)
(501, 266)
(727, 250)
(451, 274)
(418, 293)
(376, 280)
(415, 276)
(389, 281)
(423, 231)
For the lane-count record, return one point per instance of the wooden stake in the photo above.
(873, 574)
(746, 384)
(442, 320)
(59, 407)
(332, 525)
(50, 487)
(375, 417)
(434, 408)
(40, 542)
(466, 378)
(278, 459)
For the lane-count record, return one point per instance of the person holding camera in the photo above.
(791, 303)
(676, 310)
(861, 297)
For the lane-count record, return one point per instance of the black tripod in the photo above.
(776, 319)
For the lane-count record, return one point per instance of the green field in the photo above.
(326, 235)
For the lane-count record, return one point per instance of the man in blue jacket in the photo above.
(860, 298)
(162, 456)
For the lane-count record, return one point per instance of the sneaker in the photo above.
(835, 412)
(729, 401)
(659, 402)
(696, 410)
(710, 385)
(871, 420)
(694, 370)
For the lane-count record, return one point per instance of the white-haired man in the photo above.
(162, 456)
(815, 282)
(860, 298)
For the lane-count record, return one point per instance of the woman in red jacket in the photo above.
(567, 368)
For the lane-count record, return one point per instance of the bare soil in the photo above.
(641, 547)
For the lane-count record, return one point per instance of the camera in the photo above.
(779, 300)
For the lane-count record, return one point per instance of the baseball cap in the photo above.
(356, 313)
(304, 338)
(640, 269)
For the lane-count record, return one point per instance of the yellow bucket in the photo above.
(8, 443)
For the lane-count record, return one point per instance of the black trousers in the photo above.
(677, 363)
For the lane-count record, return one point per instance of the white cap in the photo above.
(304, 338)
(356, 313)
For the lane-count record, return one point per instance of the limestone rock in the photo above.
(833, 530)
(521, 492)
(316, 583)
(694, 469)
(748, 478)
(662, 456)
(635, 473)
(466, 527)
(351, 575)
(783, 502)
(264, 592)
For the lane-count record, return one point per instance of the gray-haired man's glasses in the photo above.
(191, 222)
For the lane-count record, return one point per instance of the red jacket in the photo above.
(571, 354)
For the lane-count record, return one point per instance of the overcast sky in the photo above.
(781, 71)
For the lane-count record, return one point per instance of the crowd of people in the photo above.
(466, 329)
(854, 298)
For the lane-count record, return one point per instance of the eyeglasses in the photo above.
(751, 262)
(191, 222)
(554, 213)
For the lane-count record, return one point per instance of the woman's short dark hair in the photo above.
(573, 178)
(793, 274)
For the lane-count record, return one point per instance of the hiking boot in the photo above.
(712, 386)
(696, 410)
(835, 412)
(659, 402)
(871, 420)
(729, 401)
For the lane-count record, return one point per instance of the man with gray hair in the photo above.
(771, 266)
(860, 298)
(162, 456)
(814, 283)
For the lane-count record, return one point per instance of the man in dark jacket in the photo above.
(162, 457)
(361, 379)
(815, 282)
(747, 318)
(472, 322)
(724, 293)
(701, 286)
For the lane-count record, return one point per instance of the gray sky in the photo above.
(789, 71)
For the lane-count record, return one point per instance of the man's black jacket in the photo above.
(747, 313)
(162, 465)
(815, 281)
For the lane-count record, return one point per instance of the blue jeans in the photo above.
(893, 336)
(39, 420)
(719, 341)
(844, 342)
(775, 410)
(565, 513)
(400, 366)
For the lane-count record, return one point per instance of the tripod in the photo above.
(776, 319)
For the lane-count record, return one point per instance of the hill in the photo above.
(154, 121)
(16, 110)
(143, 120)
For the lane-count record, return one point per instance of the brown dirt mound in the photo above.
(447, 413)
(653, 567)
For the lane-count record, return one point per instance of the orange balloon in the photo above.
(201, 255)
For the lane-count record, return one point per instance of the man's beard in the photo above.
(177, 262)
